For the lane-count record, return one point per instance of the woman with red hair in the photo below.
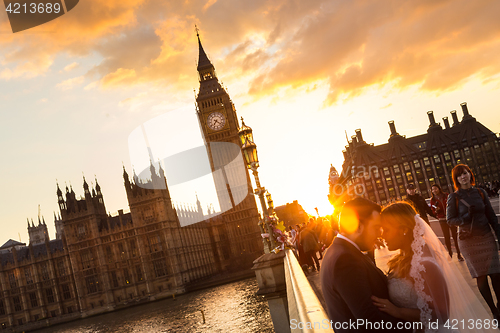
(470, 209)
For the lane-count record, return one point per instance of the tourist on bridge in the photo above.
(303, 261)
(470, 208)
(418, 203)
(293, 239)
(323, 236)
(438, 206)
(319, 231)
(309, 242)
(332, 231)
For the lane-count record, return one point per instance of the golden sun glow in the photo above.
(348, 221)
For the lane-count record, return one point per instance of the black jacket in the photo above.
(348, 280)
(484, 216)
(420, 206)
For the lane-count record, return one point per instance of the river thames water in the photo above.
(232, 307)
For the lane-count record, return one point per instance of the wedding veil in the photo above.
(453, 305)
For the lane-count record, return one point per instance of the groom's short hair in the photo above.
(360, 209)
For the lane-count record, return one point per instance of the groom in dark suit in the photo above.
(349, 278)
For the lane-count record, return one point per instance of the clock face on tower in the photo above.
(216, 121)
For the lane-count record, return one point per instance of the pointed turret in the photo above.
(60, 199)
(205, 68)
(203, 61)
(198, 204)
(136, 179)
(37, 234)
(125, 175)
(59, 192)
(97, 194)
(161, 173)
(97, 186)
(126, 180)
(85, 185)
(70, 204)
(152, 169)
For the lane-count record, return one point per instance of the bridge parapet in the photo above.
(305, 310)
(293, 304)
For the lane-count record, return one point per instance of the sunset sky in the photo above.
(301, 73)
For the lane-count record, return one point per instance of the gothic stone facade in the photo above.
(99, 262)
(102, 262)
(381, 173)
(36, 282)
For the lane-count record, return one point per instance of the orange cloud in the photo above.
(352, 45)
(70, 83)
(209, 4)
(27, 69)
(121, 76)
(355, 45)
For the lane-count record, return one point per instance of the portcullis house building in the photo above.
(381, 173)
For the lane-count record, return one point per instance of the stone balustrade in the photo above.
(294, 306)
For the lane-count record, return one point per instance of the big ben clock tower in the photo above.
(219, 125)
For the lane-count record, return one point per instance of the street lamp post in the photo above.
(249, 149)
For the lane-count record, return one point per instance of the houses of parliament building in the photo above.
(98, 263)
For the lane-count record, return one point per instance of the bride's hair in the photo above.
(441, 290)
(401, 214)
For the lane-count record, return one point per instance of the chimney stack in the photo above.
(392, 126)
(432, 121)
(359, 136)
(465, 110)
(446, 122)
(455, 117)
(354, 140)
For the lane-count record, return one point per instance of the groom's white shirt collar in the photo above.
(348, 240)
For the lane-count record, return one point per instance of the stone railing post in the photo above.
(270, 272)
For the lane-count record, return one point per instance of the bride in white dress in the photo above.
(423, 285)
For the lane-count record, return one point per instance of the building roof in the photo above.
(119, 220)
(11, 243)
(56, 245)
(466, 133)
(24, 252)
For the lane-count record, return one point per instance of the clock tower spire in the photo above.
(205, 67)
(219, 125)
(216, 111)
